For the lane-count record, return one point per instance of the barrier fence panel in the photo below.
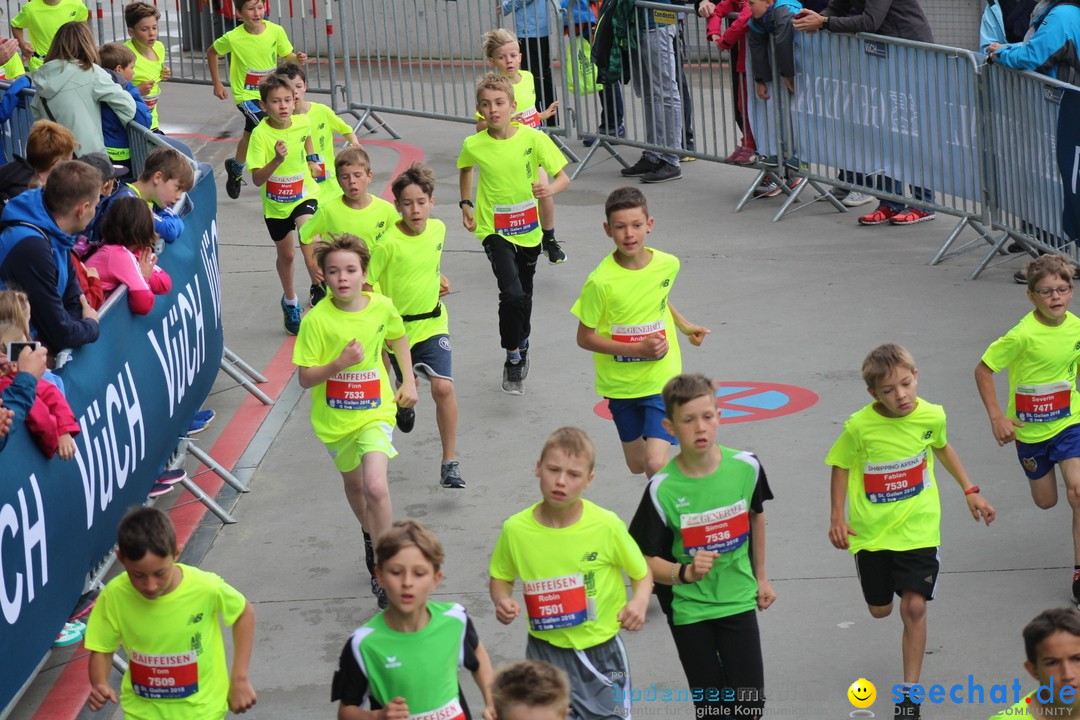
(133, 392)
(1021, 111)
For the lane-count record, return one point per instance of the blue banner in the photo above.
(134, 392)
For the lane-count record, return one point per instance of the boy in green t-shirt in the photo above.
(282, 162)
(405, 264)
(506, 220)
(531, 690)
(256, 47)
(1041, 353)
(1052, 647)
(697, 523)
(883, 472)
(624, 317)
(141, 19)
(571, 555)
(339, 352)
(42, 18)
(166, 616)
(405, 660)
(325, 123)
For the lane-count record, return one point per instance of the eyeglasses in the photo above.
(1050, 292)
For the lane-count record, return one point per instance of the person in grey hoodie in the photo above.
(71, 86)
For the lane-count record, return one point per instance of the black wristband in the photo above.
(682, 573)
(463, 203)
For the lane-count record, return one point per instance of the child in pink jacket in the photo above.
(732, 41)
(127, 257)
(50, 419)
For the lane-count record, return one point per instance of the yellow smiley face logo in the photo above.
(862, 693)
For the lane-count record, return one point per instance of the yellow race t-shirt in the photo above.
(334, 216)
(504, 197)
(572, 577)
(1021, 709)
(893, 501)
(176, 656)
(324, 123)
(406, 267)
(1042, 375)
(146, 69)
(13, 68)
(253, 57)
(291, 182)
(360, 394)
(525, 101)
(627, 305)
(42, 21)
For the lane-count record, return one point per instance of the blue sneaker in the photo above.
(292, 316)
(200, 421)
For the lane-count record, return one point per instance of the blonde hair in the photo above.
(494, 81)
(15, 309)
(10, 332)
(494, 39)
(882, 360)
(572, 441)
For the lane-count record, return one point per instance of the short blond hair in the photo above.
(572, 441)
(882, 360)
(494, 81)
(495, 39)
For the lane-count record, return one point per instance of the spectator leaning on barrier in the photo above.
(71, 87)
(1051, 49)
(19, 396)
(531, 26)
(39, 228)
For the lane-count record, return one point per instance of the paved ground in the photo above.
(798, 302)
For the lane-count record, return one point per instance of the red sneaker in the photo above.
(743, 155)
(911, 216)
(882, 215)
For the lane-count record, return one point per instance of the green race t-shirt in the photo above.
(572, 576)
(146, 69)
(627, 305)
(679, 515)
(291, 182)
(504, 197)
(176, 656)
(893, 501)
(1042, 375)
(42, 20)
(253, 57)
(406, 268)
(360, 394)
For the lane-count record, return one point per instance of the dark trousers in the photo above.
(722, 662)
(514, 267)
(536, 58)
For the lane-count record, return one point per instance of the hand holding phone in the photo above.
(15, 348)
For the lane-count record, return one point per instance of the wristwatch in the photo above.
(825, 23)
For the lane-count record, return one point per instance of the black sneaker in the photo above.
(641, 167)
(369, 554)
(1076, 587)
(406, 419)
(524, 362)
(512, 378)
(449, 477)
(770, 161)
(292, 316)
(379, 593)
(907, 709)
(554, 251)
(316, 293)
(1020, 277)
(665, 173)
(234, 178)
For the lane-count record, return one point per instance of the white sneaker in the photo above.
(855, 199)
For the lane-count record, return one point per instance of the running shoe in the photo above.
(406, 419)
(856, 199)
(767, 189)
(292, 316)
(911, 216)
(666, 172)
(449, 476)
(379, 593)
(907, 709)
(524, 362)
(880, 216)
(234, 177)
(316, 293)
(743, 155)
(512, 378)
(158, 490)
(642, 167)
(554, 251)
(171, 477)
(369, 553)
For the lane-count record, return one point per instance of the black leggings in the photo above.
(514, 267)
(722, 662)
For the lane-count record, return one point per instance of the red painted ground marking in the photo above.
(749, 401)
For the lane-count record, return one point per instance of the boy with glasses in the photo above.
(1041, 353)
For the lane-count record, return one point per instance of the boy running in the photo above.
(150, 69)
(41, 19)
(571, 555)
(1040, 353)
(506, 220)
(256, 48)
(1052, 647)
(883, 472)
(406, 266)
(624, 318)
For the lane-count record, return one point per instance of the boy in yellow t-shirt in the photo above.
(405, 264)
(42, 18)
(506, 218)
(1041, 353)
(354, 210)
(141, 19)
(339, 354)
(282, 161)
(1052, 646)
(624, 318)
(324, 124)
(571, 555)
(165, 614)
(883, 471)
(256, 47)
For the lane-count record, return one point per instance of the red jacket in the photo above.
(91, 286)
(733, 35)
(49, 417)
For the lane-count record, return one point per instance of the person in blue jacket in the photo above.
(119, 61)
(1052, 48)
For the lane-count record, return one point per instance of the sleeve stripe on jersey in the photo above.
(457, 611)
(654, 495)
(355, 641)
(750, 459)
